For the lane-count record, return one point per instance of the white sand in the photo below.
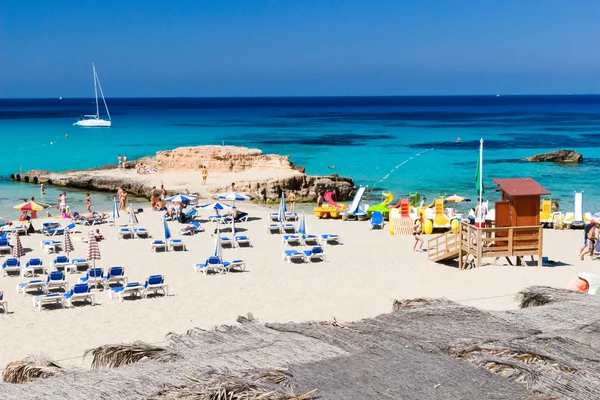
(361, 279)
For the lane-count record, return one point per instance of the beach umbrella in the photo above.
(181, 198)
(216, 206)
(218, 248)
(234, 196)
(29, 206)
(115, 209)
(18, 250)
(4, 222)
(166, 232)
(132, 218)
(68, 245)
(302, 228)
(454, 199)
(93, 251)
(232, 226)
(281, 211)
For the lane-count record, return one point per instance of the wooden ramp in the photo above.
(443, 247)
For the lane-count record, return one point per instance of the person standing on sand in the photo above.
(417, 229)
(292, 199)
(33, 212)
(163, 193)
(586, 241)
(124, 200)
(204, 174)
(88, 202)
(153, 198)
(120, 159)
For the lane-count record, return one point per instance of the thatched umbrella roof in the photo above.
(432, 349)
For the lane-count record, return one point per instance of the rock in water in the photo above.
(559, 156)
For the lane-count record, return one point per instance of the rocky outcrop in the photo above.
(217, 159)
(559, 156)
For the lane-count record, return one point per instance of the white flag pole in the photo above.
(480, 180)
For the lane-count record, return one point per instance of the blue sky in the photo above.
(285, 48)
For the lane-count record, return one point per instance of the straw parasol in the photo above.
(93, 251)
(68, 243)
(454, 199)
(18, 250)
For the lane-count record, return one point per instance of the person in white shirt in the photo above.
(422, 203)
(480, 210)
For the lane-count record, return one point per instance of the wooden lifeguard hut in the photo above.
(516, 233)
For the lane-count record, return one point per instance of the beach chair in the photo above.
(51, 246)
(80, 263)
(376, 220)
(236, 265)
(274, 217)
(50, 228)
(294, 255)
(79, 292)
(158, 244)
(212, 264)
(131, 289)
(115, 275)
(3, 303)
(155, 284)
(242, 240)
(94, 277)
(34, 285)
(32, 266)
(290, 240)
(195, 228)
(56, 280)
(191, 214)
(288, 228)
(175, 244)
(11, 265)
(21, 229)
(274, 228)
(48, 299)
(126, 232)
(310, 239)
(577, 218)
(218, 218)
(5, 246)
(291, 216)
(142, 233)
(329, 238)
(60, 262)
(316, 253)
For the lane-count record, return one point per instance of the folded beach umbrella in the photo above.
(234, 196)
(281, 211)
(218, 248)
(166, 230)
(68, 245)
(93, 251)
(132, 218)
(18, 250)
(115, 209)
(302, 228)
(29, 206)
(181, 198)
(4, 222)
(216, 206)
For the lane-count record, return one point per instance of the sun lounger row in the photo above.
(298, 240)
(289, 216)
(169, 244)
(53, 228)
(154, 284)
(314, 254)
(35, 265)
(237, 241)
(215, 264)
(55, 281)
(127, 232)
(281, 228)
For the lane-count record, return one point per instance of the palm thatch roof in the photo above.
(433, 349)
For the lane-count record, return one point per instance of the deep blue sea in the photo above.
(361, 137)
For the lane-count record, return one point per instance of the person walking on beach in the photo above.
(417, 229)
(88, 202)
(120, 159)
(292, 199)
(588, 246)
(42, 189)
(204, 174)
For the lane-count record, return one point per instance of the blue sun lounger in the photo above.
(156, 284)
(34, 285)
(316, 253)
(11, 265)
(376, 220)
(294, 255)
(79, 292)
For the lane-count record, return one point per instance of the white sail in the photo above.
(95, 120)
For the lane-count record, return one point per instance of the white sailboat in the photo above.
(95, 120)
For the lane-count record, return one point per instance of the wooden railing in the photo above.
(499, 242)
(443, 246)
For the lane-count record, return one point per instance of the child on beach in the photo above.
(417, 229)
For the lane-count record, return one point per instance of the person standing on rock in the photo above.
(120, 159)
(204, 174)
(125, 161)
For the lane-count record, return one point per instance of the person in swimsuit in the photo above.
(120, 159)
(88, 202)
(292, 199)
(417, 229)
(204, 174)
(153, 198)
(33, 212)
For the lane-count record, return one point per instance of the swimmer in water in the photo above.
(458, 140)
(331, 166)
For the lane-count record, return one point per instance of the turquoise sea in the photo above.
(361, 137)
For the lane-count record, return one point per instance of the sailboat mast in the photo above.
(103, 99)
(96, 91)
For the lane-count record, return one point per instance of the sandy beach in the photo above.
(360, 279)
